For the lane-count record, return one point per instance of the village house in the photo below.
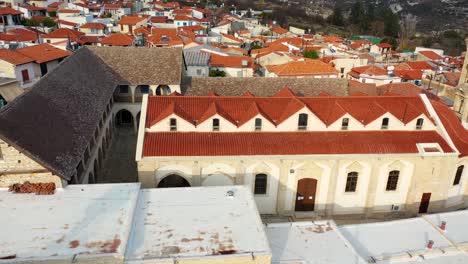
(233, 66)
(381, 52)
(30, 11)
(16, 65)
(18, 38)
(373, 74)
(116, 11)
(94, 28)
(45, 57)
(10, 16)
(80, 140)
(117, 39)
(128, 24)
(63, 37)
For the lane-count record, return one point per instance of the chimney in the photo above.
(430, 244)
(443, 225)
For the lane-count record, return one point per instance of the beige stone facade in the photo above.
(16, 167)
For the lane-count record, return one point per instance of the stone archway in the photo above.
(124, 118)
(163, 89)
(173, 180)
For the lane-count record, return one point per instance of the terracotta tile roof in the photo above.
(420, 65)
(69, 11)
(231, 37)
(19, 34)
(131, 20)
(287, 143)
(431, 55)
(356, 87)
(161, 19)
(452, 78)
(302, 68)
(332, 39)
(409, 74)
(165, 36)
(452, 124)
(9, 11)
(142, 30)
(231, 61)
(56, 4)
(384, 45)
(91, 39)
(279, 30)
(118, 40)
(283, 105)
(93, 25)
(68, 23)
(112, 6)
(65, 33)
(182, 12)
(44, 53)
(14, 57)
(403, 88)
(191, 28)
(369, 70)
(184, 18)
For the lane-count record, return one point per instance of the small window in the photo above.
(392, 181)
(351, 182)
(215, 124)
(260, 184)
(123, 89)
(344, 123)
(144, 89)
(173, 124)
(342, 70)
(458, 176)
(385, 123)
(258, 124)
(302, 122)
(419, 123)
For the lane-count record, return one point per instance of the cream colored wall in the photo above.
(232, 72)
(274, 59)
(15, 167)
(7, 69)
(347, 64)
(290, 124)
(418, 175)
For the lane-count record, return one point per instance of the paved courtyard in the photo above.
(120, 165)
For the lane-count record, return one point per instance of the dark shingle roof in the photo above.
(142, 65)
(54, 122)
(193, 58)
(260, 86)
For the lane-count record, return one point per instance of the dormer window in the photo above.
(302, 122)
(385, 123)
(419, 123)
(258, 124)
(215, 124)
(173, 124)
(344, 123)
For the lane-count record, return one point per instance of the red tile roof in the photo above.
(44, 53)
(420, 65)
(332, 39)
(131, 20)
(403, 88)
(455, 129)
(184, 18)
(384, 45)
(306, 67)
(33, 8)
(282, 106)
(287, 143)
(409, 74)
(161, 19)
(279, 30)
(65, 33)
(452, 78)
(9, 11)
(118, 40)
(94, 25)
(112, 6)
(19, 34)
(431, 55)
(371, 70)
(69, 11)
(14, 57)
(231, 61)
(164, 36)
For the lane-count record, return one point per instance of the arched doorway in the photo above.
(218, 180)
(163, 90)
(173, 180)
(305, 196)
(124, 118)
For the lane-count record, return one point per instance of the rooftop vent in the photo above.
(164, 38)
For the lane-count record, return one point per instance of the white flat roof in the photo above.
(80, 219)
(310, 242)
(456, 225)
(395, 238)
(195, 222)
(448, 258)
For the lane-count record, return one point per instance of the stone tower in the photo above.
(464, 73)
(460, 104)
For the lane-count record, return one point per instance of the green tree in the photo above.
(52, 13)
(337, 17)
(311, 54)
(391, 24)
(217, 73)
(48, 22)
(390, 41)
(357, 13)
(30, 23)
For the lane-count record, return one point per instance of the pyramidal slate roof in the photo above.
(54, 121)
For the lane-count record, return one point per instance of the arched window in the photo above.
(258, 124)
(173, 124)
(344, 123)
(302, 122)
(392, 181)
(351, 182)
(215, 124)
(260, 184)
(163, 90)
(419, 123)
(385, 123)
(458, 175)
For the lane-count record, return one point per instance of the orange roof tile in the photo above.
(306, 67)
(64, 33)
(231, 61)
(70, 11)
(118, 40)
(14, 57)
(431, 55)
(332, 39)
(420, 65)
(9, 11)
(94, 25)
(369, 70)
(44, 53)
(279, 30)
(131, 20)
(409, 74)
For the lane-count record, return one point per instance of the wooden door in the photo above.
(426, 197)
(25, 75)
(305, 197)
